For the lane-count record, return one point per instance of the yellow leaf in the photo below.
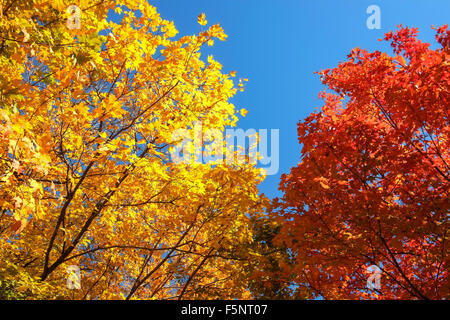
(201, 19)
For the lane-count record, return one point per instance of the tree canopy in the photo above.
(372, 186)
(88, 105)
(91, 96)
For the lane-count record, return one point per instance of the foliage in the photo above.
(88, 105)
(372, 186)
(265, 275)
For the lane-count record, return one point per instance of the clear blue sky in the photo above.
(279, 44)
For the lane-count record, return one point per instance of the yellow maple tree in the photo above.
(88, 106)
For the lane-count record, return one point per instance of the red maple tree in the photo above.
(372, 185)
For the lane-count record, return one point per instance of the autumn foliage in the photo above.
(372, 185)
(91, 93)
(88, 105)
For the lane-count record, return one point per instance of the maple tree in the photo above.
(263, 274)
(88, 105)
(372, 185)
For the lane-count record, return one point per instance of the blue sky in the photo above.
(279, 44)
